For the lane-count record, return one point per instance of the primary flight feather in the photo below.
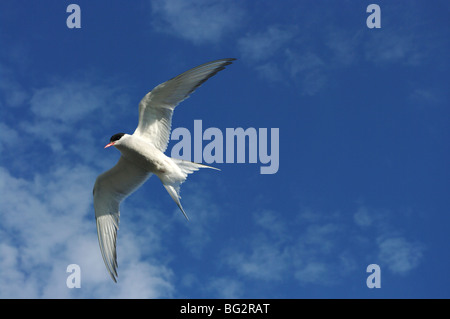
(142, 154)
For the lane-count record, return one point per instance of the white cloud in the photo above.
(279, 250)
(321, 248)
(394, 47)
(400, 255)
(426, 97)
(270, 71)
(201, 209)
(10, 136)
(362, 217)
(69, 101)
(47, 224)
(265, 261)
(313, 272)
(47, 213)
(344, 46)
(46, 208)
(261, 46)
(392, 250)
(225, 287)
(271, 222)
(144, 280)
(14, 94)
(303, 62)
(308, 68)
(265, 255)
(199, 21)
(320, 236)
(300, 66)
(13, 282)
(66, 101)
(66, 117)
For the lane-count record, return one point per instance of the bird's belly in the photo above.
(150, 164)
(150, 159)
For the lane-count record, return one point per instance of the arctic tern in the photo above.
(142, 154)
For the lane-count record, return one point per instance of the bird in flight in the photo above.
(142, 154)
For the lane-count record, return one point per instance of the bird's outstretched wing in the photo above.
(110, 189)
(156, 108)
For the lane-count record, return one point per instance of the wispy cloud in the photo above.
(64, 116)
(70, 101)
(225, 287)
(309, 68)
(322, 248)
(13, 93)
(199, 21)
(425, 97)
(393, 47)
(10, 136)
(399, 254)
(270, 71)
(202, 211)
(262, 260)
(260, 46)
(47, 225)
(46, 208)
(344, 46)
(300, 66)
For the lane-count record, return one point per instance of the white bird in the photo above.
(142, 154)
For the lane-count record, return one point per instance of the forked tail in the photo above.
(172, 185)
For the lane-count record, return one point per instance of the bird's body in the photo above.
(142, 154)
(145, 155)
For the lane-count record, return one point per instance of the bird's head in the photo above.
(115, 139)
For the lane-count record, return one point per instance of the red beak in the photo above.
(110, 144)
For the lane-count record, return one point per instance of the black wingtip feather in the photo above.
(226, 62)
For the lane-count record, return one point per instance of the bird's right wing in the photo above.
(110, 189)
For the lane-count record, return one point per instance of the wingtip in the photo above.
(182, 210)
(113, 273)
(224, 62)
(229, 61)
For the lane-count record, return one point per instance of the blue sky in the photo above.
(363, 172)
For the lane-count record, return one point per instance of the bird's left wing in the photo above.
(110, 189)
(156, 108)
